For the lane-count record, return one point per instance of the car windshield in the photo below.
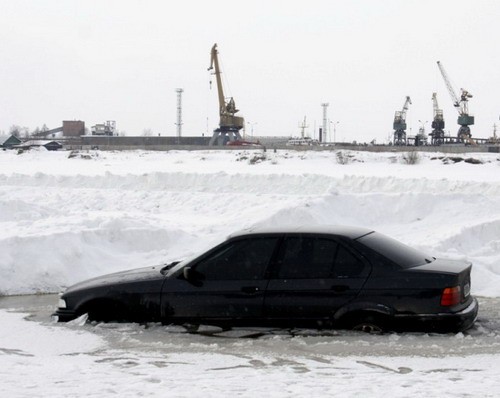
(395, 251)
(181, 264)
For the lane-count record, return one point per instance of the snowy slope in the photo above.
(65, 219)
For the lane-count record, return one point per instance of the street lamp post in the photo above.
(423, 124)
(334, 130)
(251, 127)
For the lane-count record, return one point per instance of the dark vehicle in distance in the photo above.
(338, 277)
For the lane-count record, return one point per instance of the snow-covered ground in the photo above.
(65, 219)
(65, 361)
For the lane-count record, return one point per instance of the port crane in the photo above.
(464, 119)
(399, 124)
(437, 123)
(229, 124)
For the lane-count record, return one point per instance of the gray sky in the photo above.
(122, 60)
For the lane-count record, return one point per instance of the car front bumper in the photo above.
(453, 322)
(64, 315)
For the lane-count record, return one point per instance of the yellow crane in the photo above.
(229, 124)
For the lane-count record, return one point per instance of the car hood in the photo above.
(134, 275)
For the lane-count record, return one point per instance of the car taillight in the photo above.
(451, 296)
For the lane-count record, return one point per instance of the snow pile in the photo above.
(65, 219)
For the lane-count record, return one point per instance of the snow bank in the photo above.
(63, 220)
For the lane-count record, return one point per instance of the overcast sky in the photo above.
(122, 60)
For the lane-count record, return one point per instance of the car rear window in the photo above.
(399, 253)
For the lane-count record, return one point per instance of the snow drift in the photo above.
(63, 220)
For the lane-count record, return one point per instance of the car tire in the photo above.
(370, 323)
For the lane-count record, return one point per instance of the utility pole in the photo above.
(303, 127)
(334, 130)
(179, 114)
(251, 127)
(325, 120)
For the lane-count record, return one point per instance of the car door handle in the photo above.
(339, 288)
(250, 289)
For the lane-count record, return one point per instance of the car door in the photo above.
(314, 276)
(228, 283)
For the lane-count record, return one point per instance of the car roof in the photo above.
(340, 230)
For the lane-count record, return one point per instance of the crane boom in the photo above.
(456, 102)
(407, 104)
(214, 64)
(435, 105)
(438, 113)
(401, 115)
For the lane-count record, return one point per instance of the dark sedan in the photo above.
(340, 277)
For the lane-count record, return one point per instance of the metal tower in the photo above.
(325, 120)
(179, 92)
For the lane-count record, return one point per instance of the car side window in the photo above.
(240, 260)
(306, 258)
(347, 265)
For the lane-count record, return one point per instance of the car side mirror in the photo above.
(193, 277)
(188, 273)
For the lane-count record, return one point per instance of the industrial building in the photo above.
(69, 128)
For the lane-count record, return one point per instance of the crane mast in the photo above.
(399, 124)
(447, 82)
(464, 119)
(214, 65)
(437, 123)
(435, 105)
(229, 124)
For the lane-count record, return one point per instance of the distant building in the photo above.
(73, 128)
(49, 145)
(70, 128)
(106, 129)
(8, 141)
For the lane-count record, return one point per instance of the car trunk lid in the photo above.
(458, 281)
